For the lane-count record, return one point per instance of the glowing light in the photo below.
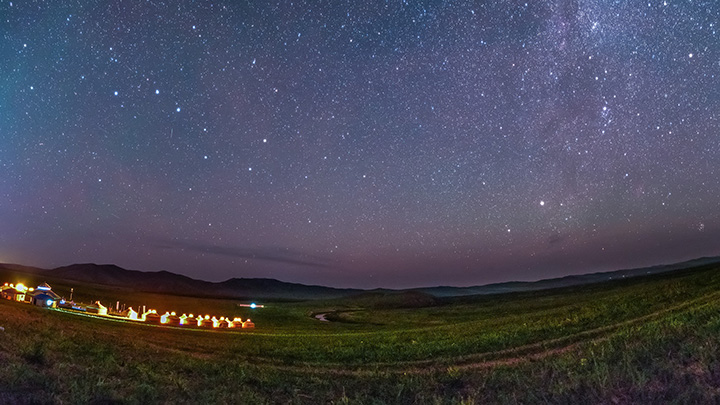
(251, 305)
(98, 309)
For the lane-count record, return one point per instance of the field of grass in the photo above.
(650, 339)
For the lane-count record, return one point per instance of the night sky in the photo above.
(359, 143)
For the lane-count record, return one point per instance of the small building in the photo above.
(12, 292)
(43, 296)
(17, 292)
(45, 300)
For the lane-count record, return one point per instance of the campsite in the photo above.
(621, 341)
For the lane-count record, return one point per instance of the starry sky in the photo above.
(360, 143)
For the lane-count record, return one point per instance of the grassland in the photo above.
(654, 339)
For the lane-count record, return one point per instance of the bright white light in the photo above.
(253, 305)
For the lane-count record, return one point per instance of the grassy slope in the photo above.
(650, 339)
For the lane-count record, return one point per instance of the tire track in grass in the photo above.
(505, 357)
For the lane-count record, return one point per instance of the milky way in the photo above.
(360, 143)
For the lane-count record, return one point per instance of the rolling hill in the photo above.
(264, 288)
(171, 283)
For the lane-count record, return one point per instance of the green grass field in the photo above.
(650, 340)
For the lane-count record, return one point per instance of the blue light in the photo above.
(253, 305)
(49, 303)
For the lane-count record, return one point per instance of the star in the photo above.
(410, 137)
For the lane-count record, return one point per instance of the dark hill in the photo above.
(110, 274)
(170, 283)
(21, 268)
(271, 288)
(262, 288)
(567, 281)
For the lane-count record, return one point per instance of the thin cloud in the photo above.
(271, 254)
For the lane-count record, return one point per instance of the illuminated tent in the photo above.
(204, 322)
(151, 316)
(97, 308)
(221, 323)
(248, 324)
(170, 319)
(185, 320)
(131, 314)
